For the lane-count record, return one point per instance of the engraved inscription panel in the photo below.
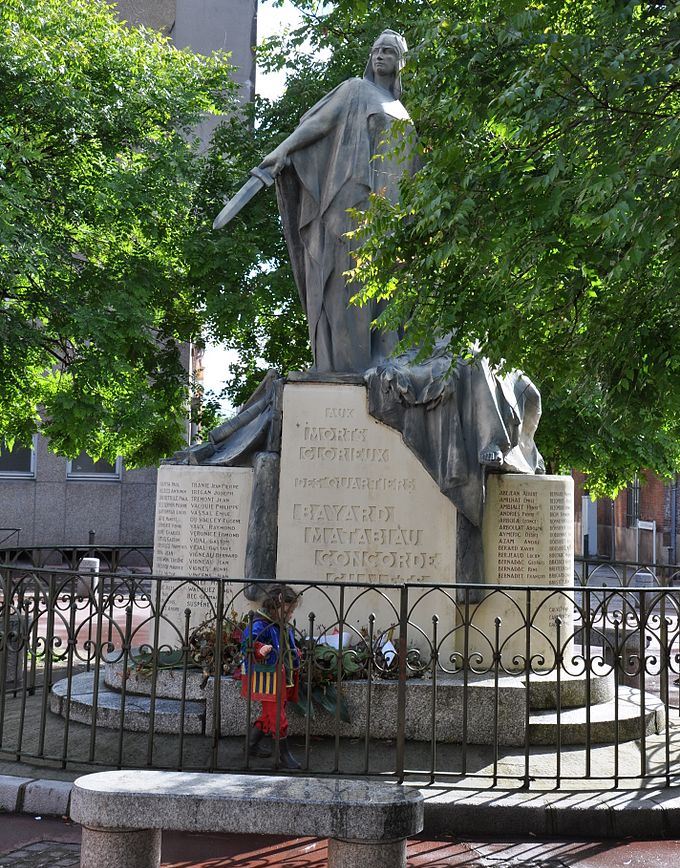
(357, 507)
(201, 529)
(528, 540)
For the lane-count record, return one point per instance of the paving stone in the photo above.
(473, 813)
(44, 854)
(634, 816)
(580, 815)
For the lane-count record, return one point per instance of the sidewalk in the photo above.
(26, 842)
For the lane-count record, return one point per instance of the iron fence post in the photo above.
(8, 596)
(403, 674)
(217, 693)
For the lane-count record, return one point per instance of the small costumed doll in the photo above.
(270, 672)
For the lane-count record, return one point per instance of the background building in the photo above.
(45, 499)
(640, 525)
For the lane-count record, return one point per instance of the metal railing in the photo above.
(590, 571)
(113, 558)
(532, 686)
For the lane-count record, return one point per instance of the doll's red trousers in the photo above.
(267, 719)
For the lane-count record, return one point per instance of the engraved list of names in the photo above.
(532, 531)
(201, 527)
(528, 540)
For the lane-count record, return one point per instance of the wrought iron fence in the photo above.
(636, 574)
(533, 686)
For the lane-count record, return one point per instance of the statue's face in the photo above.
(385, 58)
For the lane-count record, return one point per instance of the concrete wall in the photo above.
(52, 509)
(205, 26)
(156, 14)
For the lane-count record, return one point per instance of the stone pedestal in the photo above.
(356, 506)
(359, 854)
(528, 540)
(201, 528)
(110, 848)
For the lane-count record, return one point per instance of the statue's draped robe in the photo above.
(448, 411)
(355, 157)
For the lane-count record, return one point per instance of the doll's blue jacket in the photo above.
(267, 632)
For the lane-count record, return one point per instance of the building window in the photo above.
(85, 467)
(633, 502)
(18, 462)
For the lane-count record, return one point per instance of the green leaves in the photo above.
(543, 224)
(554, 122)
(99, 180)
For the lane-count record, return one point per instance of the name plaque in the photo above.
(201, 529)
(528, 540)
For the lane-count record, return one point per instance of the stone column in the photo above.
(359, 854)
(120, 848)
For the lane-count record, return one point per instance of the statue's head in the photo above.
(393, 45)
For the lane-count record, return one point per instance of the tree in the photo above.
(543, 226)
(242, 274)
(99, 184)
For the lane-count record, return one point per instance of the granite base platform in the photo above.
(455, 710)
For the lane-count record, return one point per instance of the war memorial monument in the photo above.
(371, 468)
(400, 493)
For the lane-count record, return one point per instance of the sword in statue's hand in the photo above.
(260, 178)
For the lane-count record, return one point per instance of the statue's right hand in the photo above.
(274, 162)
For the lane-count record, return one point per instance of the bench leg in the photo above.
(359, 854)
(120, 848)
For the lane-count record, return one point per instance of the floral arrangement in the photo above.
(323, 664)
(203, 646)
(201, 650)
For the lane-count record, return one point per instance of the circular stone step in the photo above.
(574, 690)
(169, 682)
(167, 712)
(573, 724)
(543, 724)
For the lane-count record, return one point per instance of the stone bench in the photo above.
(123, 814)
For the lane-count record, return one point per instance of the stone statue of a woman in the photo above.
(461, 420)
(342, 151)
